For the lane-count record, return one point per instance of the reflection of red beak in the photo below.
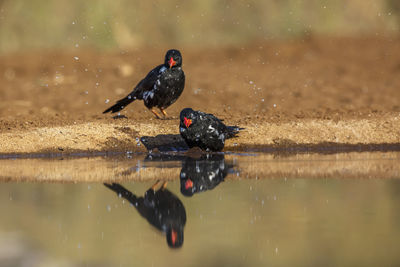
(187, 122)
(188, 184)
(171, 62)
(174, 236)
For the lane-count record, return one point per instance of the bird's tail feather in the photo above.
(233, 131)
(122, 192)
(121, 104)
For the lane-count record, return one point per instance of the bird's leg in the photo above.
(164, 185)
(163, 112)
(155, 185)
(155, 113)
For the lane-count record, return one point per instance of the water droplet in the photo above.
(76, 58)
(107, 100)
(274, 105)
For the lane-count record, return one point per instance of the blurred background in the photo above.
(122, 23)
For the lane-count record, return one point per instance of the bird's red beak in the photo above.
(188, 184)
(174, 236)
(171, 62)
(187, 122)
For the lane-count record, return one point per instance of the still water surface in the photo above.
(237, 214)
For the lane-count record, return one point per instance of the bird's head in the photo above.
(187, 118)
(175, 237)
(173, 59)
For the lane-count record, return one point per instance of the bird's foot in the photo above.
(155, 113)
(163, 112)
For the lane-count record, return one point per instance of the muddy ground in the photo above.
(336, 91)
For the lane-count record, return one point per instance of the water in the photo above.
(258, 210)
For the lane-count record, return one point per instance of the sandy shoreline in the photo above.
(100, 136)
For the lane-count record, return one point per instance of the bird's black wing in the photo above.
(147, 83)
(144, 85)
(230, 131)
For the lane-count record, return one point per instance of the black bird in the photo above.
(204, 130)
(161, 208)
(201, 174)
(160, 88)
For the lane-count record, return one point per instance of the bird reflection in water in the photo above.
(161, 208)
(204, 173)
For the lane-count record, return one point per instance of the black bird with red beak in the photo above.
(203, 130)
(160, 88)
(161, 208)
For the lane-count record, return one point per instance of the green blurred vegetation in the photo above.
(122, 23)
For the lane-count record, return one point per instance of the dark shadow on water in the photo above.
(175, 143)
(161, 208)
